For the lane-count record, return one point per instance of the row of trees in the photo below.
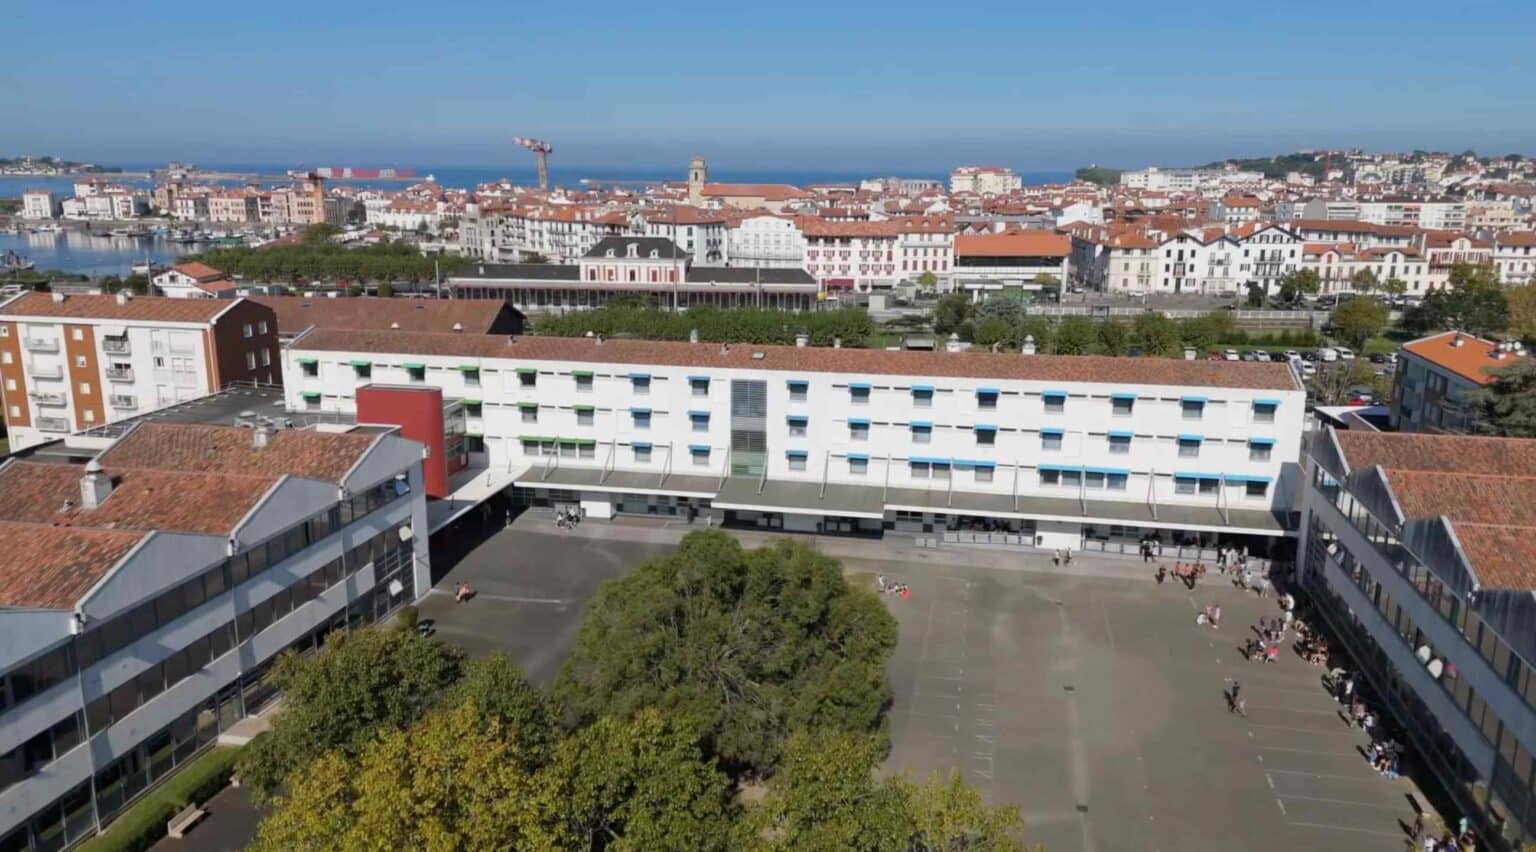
(744, 325)
(316, 258)
(698, 675)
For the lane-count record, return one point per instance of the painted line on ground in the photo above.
(1351, 755)
(1313, 731)
(1340, 802)
(504, 598)
(1398, 835)
(1323, 775)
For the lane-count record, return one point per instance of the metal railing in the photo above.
(116, 345)
(44, 398)
(123, 401)
(52, 424)
(52, 371)
(35, 345)
(119, 374)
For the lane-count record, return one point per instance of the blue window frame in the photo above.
(986, 434)
(922, 432)
(1055, 401)
(641, 417)
(699, 453)
(1050, 439)
(1264, 410)
(922, 396)
(858, 430)
(1192, 407)
(986, 398)
(798, 389)
(858, 392)
(1122, 404)
(1189, 446)
(699, 385)
(700, 420)
(1120, 442)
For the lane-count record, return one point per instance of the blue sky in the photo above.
(785, 84)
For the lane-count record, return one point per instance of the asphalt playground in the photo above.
(1087, 694)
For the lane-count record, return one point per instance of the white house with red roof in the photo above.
(194, 280)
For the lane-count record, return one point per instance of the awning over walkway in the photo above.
(618, 481)
(800, 498)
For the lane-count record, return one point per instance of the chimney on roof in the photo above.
(1457, 341)
(598, 340)
(395, 326)
(58, 298)
(837, 343)
(95, 485)
(693, 335)
(261, 436)
(953, 343)
(802, 340)
(458, 327)
(1029, 345)
(123, 297)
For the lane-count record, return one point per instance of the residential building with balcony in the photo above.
(1434, 375)
(1058, 451)
(1418, 554)
(73, 362)
(1011, 260)
(144, 596)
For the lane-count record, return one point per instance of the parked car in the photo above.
(1292, 353)
(1378, 358)
(1327, 355)
(1249, 355)
(1309, 355)
(1345, 353)
(1308, 368)
(1230, 355)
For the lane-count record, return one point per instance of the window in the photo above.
(584, 417)
(1050, 477)
(79, 360)
(77, 333)
(528, 377)
(700, 455)
(797, 460)
(5, 357)
(986, 437)
(1050, 440)
(1119, 443)
(641, 384)
(986, 399)
(1116, 481)
(583, 381)
(362, 370)
(642, 453)
(15, 411)
(1259, 450)
(471, 376)
(858, 394)
(797, 427)
(1192, 408)
(530, 413)
(700, 420)
(1208, 486)
(89, 415)
(85, 388)
(919, 470)
(1055, 401)
(417, 373)
(797, 391)
(1122, 405)
(922, 433)
(922, 397)
(262, 326)
(1264, 411)
(858, 430)
(642, 418)
(1183, 485)
(858, 465)
(246, 330)
(1189, 447)
(983, 473)
(311, 368)
(1256, 489)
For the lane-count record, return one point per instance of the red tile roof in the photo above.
(47, 567)
(1444, 453)
(1473, 360)
(980, 365)
(1014, 244)
(199, 271)
(325, 456)
(142, 308)
(141, 499)
(296, 313)
(1502, 557)
(765, 191)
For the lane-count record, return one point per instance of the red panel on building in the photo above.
(421, 416)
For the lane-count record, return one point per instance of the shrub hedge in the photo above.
(144, 822)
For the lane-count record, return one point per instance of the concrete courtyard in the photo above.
(1087, 695)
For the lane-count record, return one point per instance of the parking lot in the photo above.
(1090, 698)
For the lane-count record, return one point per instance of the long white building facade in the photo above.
(1053, 450)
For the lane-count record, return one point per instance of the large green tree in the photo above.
(360, 683)
(951, 313)
(827, 797)
(1472, 301)
(1507, 406)
(1075, 336)
(1157, 335)
(1299, 282)
(741, 646)
(1359, 320)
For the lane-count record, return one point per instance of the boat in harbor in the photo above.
(13, 262)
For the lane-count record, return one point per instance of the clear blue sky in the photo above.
(766, 84)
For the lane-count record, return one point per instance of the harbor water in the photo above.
(85, 254)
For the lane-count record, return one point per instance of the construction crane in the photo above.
(540, 150)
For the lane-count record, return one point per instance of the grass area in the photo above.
(143, 824)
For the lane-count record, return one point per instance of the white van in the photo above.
(1346, 354)
(1327, 354)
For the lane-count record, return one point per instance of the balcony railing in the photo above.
(116, 345)
(35, 345)
(119, 374)
(48, 371)
(52, 424)
(52, 399)
(127, 401)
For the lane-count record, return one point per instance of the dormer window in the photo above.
(610, 253)
(655, 254)
(634, 250)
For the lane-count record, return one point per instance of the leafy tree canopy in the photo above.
(741, 646)
(338, 698)
(1508, 405)
(1359, 320)
(1472, 301)
(728, 325)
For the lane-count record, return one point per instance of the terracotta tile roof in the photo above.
(296, 313)
(1516, 238)
(1445, 453)
(191, 447)
(1472, 360)
(812, 226)
(1502, 557)
(146, 308)
(1465, 498)
(50, 567)
(1014, 244)
(199, 271)
(1078, 368)
(141, 499)
(765, 191)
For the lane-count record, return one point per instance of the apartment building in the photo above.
(194, 280)
(984, 180)
(1337, 264)
(40, 204)
(144, 596)
(1434, 375)
(858, 256)
(1015, 259)
(1418, 554)
(766, 241)
(1445, 250)
(72, 362)
(701, 233)
(1057, 450)
(1268, 255)
(925, 244)
(1514, 257)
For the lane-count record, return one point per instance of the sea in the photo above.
(106, 255)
